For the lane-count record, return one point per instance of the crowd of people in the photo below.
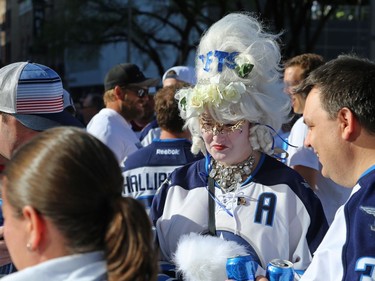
(168, 184)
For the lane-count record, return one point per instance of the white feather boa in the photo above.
(201, 257)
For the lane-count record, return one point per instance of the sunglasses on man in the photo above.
(140, 92)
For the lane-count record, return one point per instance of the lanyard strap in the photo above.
(211, 207)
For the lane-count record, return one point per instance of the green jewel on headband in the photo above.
(244, 69)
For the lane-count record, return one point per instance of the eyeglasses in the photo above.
(140, 92)
(215, 128)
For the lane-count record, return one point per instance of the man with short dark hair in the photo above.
(340, 116)
(126, 94)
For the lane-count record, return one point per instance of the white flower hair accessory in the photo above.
(193, 100)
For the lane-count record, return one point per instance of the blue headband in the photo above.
(225, 59)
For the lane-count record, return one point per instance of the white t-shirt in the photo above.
(114, 131)
(331, 195)
(300, 155)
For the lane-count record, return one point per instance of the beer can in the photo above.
(280, 270)
(241, 268)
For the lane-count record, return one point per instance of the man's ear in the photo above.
(348, 124)
(35, 227)
(119, 93)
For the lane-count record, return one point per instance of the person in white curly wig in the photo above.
(238, 68)
(239, 192)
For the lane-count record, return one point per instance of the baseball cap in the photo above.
(33, 94)
(182, 73)
(127, 74)
(68, 101)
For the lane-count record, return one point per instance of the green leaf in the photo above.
(183, 103)
(244, 69)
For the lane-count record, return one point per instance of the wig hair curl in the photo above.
(263, 102)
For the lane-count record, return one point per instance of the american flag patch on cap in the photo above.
(30, 88)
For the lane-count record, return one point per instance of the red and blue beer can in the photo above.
(241, 268)
(280, 270)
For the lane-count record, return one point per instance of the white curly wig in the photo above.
(257, 96)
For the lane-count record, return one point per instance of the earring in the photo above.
(28, 247)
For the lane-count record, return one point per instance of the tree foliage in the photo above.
(157, 28)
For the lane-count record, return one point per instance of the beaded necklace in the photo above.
(228, 177)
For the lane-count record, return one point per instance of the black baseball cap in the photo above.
(127, 74)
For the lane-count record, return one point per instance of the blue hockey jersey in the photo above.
(347, 253)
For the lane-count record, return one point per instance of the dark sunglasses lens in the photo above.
(142, 92)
